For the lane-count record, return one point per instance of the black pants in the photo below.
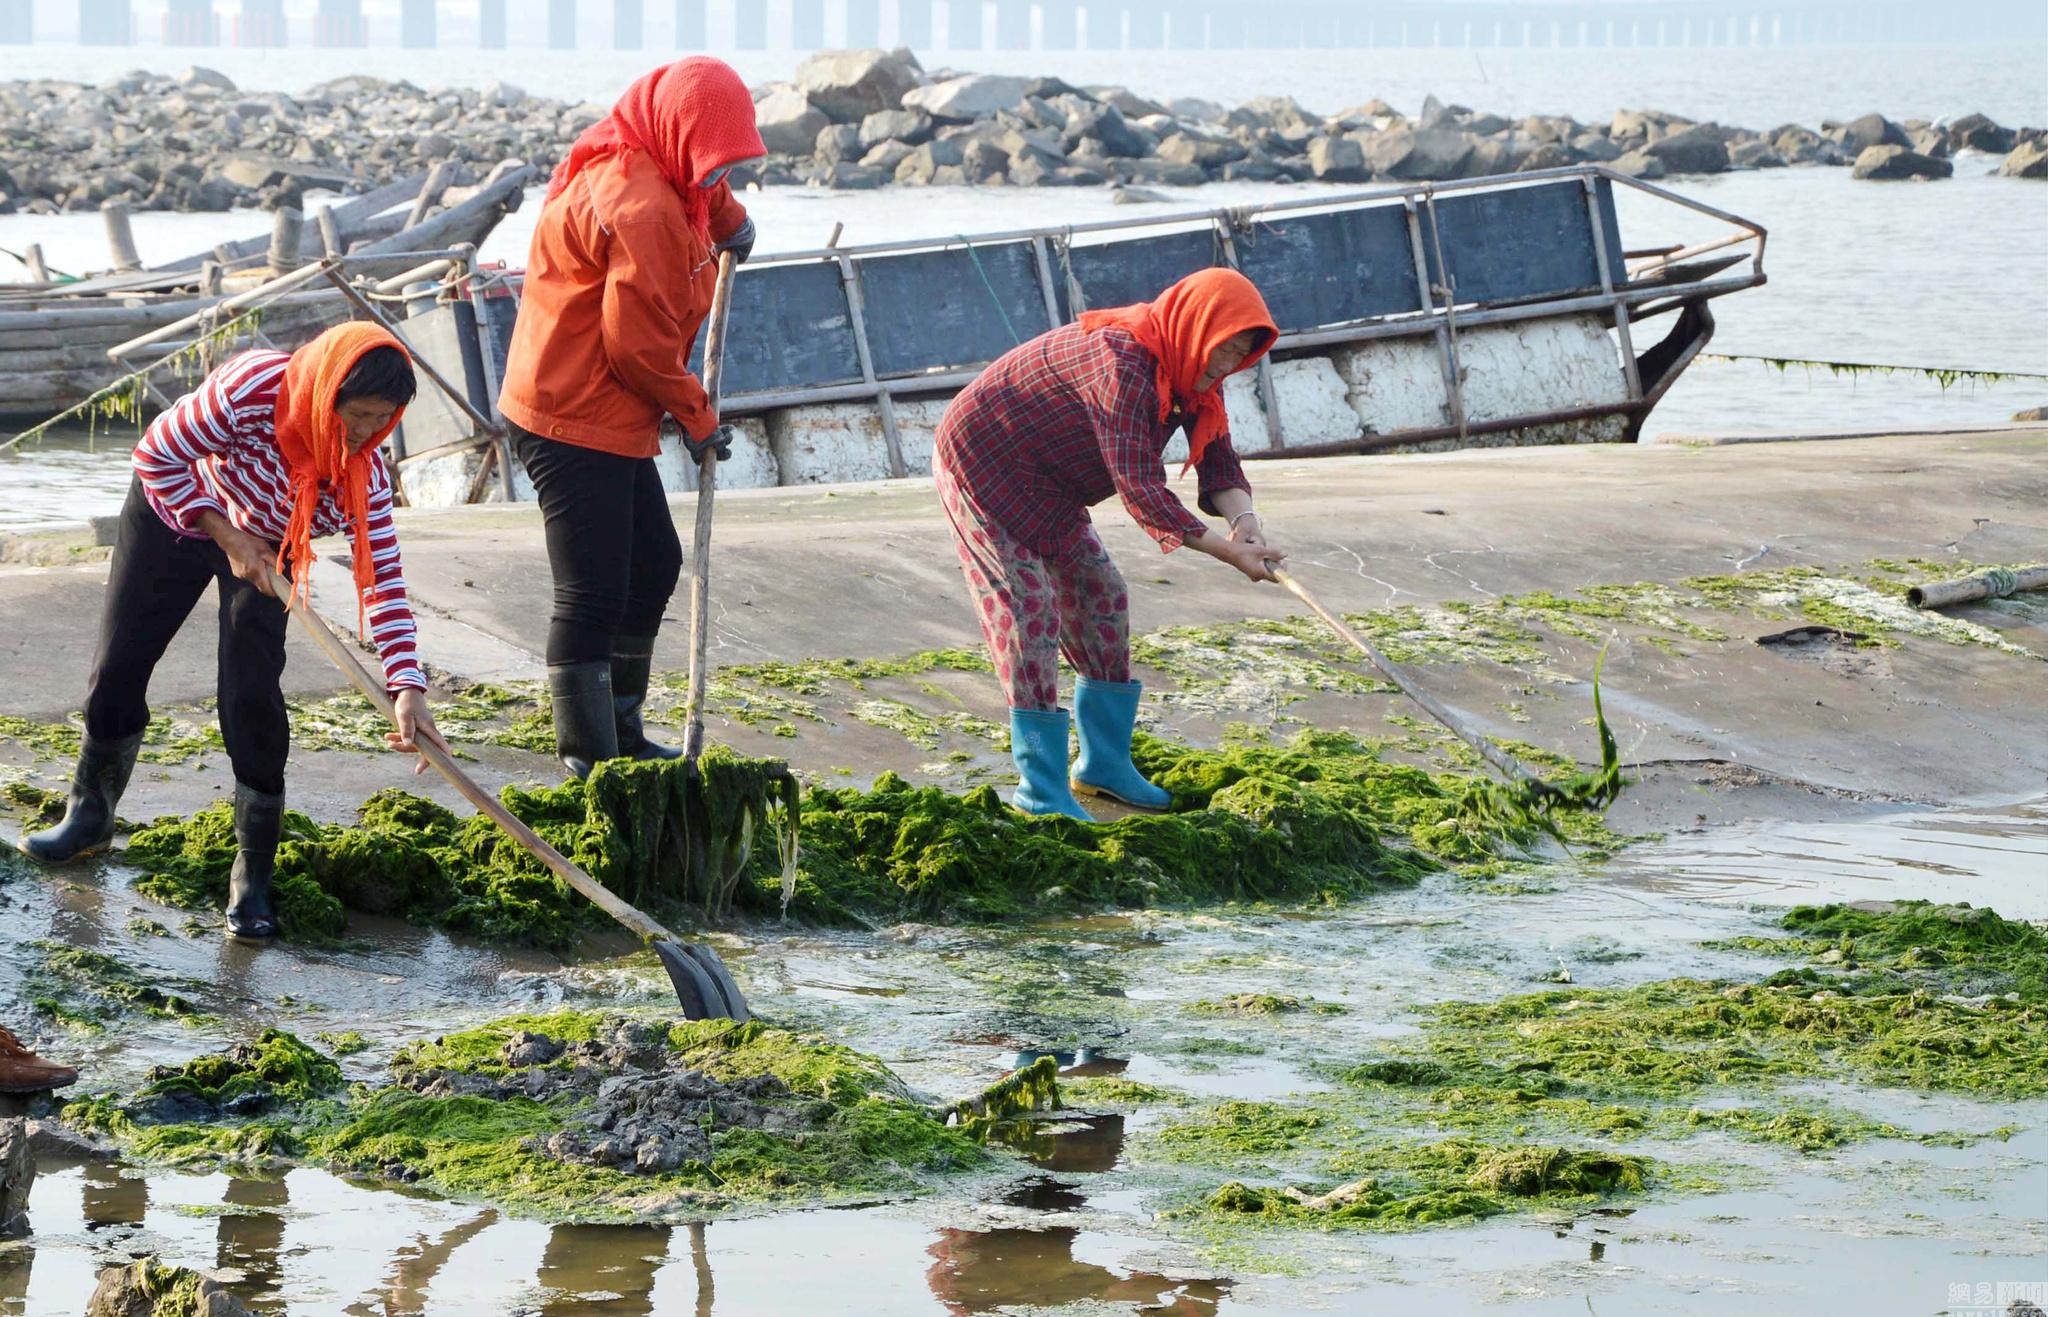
(611, 542)
(157, 578)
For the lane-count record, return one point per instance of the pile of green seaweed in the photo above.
(1321, 818)
(525, 1113)
(657, 833)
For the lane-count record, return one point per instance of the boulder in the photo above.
(1198, 109)
(1278, 114)
(984, 161)
(1896, 162)
(1160, 173)
(1859, 135)
(1077, 174)
(1256, 168)
(1486, 125)
(912, 126)
(2031, 414)
(1634, 127)
(1975, 132)
(17, 1177)
(845, 175)
(1545, 127)
(837, 142)
(887, 155)
(1187, 148)
(924, 162)
(1434, 113)
(1803, 146)
(501, 95)
(197, 76)
(253, 171)
(849, 85)
(1698, 149)
(1413, 154)
(1754, 154)
(1136, 196)
(2027, 160)
(789, 123)
(1128, 103)
(1637, 164)
(1929, 141)
(1547, 155)
(149, 1288)
(1594, 146)
(1338, 160)
(1106, 126)
(969, 97)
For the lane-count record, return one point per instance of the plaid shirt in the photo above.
(1063, 422)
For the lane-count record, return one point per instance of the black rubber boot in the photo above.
(586, 728)
(632, 665)
(96, 787)
(259, 820)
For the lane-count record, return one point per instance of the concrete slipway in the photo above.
(1797, 770)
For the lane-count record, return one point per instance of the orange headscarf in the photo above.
(315, 446)
(693, 116)
(1183, 328)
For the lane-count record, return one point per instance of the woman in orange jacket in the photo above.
(618, 281)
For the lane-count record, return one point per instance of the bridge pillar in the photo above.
(561, 24)
(963, 24)
(807, 24)
(863, 24)
(691, 24)
(750, 25)
(190, 23)
(1013, 24)
(417, 24)
(338, 24)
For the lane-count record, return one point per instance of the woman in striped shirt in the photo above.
(237, 477)
(1065, 421)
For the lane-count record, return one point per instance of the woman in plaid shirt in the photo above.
(1065, 421)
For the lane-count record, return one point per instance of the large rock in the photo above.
(1128, 103)
(252, 171)
(839, 141)
(1338, 160)
(1278, 114)
(923, 163)
(849, 85)
(912, 126)
(149, 1288)
(1896, 162)
(1929, 141)
(887, 155)
(199, 76)
(1637, 164)
(1699, 149)
(1188, 148)
(1975, 132)
(17, 1176)
(969, 97)
(1412, 154)
(1803, 146)
(1859, 135)
(789, 123)
(2027, 160)
(1754, 154)
(1106, 126)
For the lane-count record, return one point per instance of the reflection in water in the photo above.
(415, 1266)
(248, 1240)
(16, 1263)
(113, 1198)
(982, 1271)
(608, 1270)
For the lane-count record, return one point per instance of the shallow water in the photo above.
(1882, 1226)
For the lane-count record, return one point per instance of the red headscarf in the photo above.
(315, 446)
(1183, 328)
(693, 116)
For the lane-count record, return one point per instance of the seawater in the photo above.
(1949, 274)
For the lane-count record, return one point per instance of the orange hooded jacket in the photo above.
(622, 267)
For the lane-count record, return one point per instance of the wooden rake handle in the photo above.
(707, 486)
(373, 690)
(1506, 764)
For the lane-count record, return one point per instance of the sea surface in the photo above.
(1945, 274)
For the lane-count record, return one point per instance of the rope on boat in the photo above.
(989, 284)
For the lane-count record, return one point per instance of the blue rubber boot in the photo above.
(1106, 712)
(1038, 742)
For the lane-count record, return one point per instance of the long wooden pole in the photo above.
(707, 484)
(1508, 766)
(373, 691)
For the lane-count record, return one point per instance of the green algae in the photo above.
(641, 829)
(86, 990)
(1115, 1091)
(172, 1291)
(346, 1042)
(1262, 1004)
(860, 1133)
(925, 730)
(1240, 1133)
(1020, 1093)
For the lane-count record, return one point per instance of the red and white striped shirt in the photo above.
(216, 449)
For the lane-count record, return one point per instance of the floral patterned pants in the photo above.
(1033, 608)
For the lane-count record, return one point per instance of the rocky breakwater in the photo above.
(196, 143)
(866, 118)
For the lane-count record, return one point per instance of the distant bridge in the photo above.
(966, 25)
